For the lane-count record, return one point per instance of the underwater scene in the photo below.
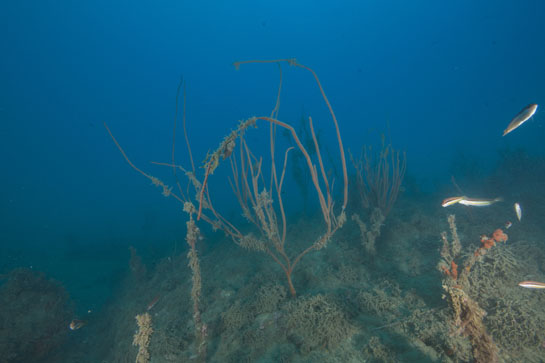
(258, 181)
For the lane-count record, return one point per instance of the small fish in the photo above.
(451, 201)
(521, 117)
(479, 202)
(532, 284)
(518, 211)
(77, 324)
(508, 224)
(153, 302)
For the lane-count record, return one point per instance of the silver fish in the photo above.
(451, 201)
(532, 284)
(521, 117)
(479, 202)
(518, 211)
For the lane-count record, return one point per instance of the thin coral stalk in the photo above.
(293, 62)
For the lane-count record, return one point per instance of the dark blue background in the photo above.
(446, 76)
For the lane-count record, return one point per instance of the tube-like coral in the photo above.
(142, 337)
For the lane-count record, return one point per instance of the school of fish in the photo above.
(524, 115)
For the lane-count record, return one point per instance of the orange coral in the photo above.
(454, 270)
(487, 242)
(499, 236)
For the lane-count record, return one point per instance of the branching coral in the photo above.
(371, 233)
(316, 322)
(379, 176)
(514, 315)
(468, 320)
(261, 196)
(468, 316)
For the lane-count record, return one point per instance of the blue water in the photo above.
(440, 79)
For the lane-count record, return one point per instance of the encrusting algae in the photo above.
(142, 337)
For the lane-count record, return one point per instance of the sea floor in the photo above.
(393, 303)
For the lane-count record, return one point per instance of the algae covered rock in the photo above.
(316, 322)
(34, 317)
